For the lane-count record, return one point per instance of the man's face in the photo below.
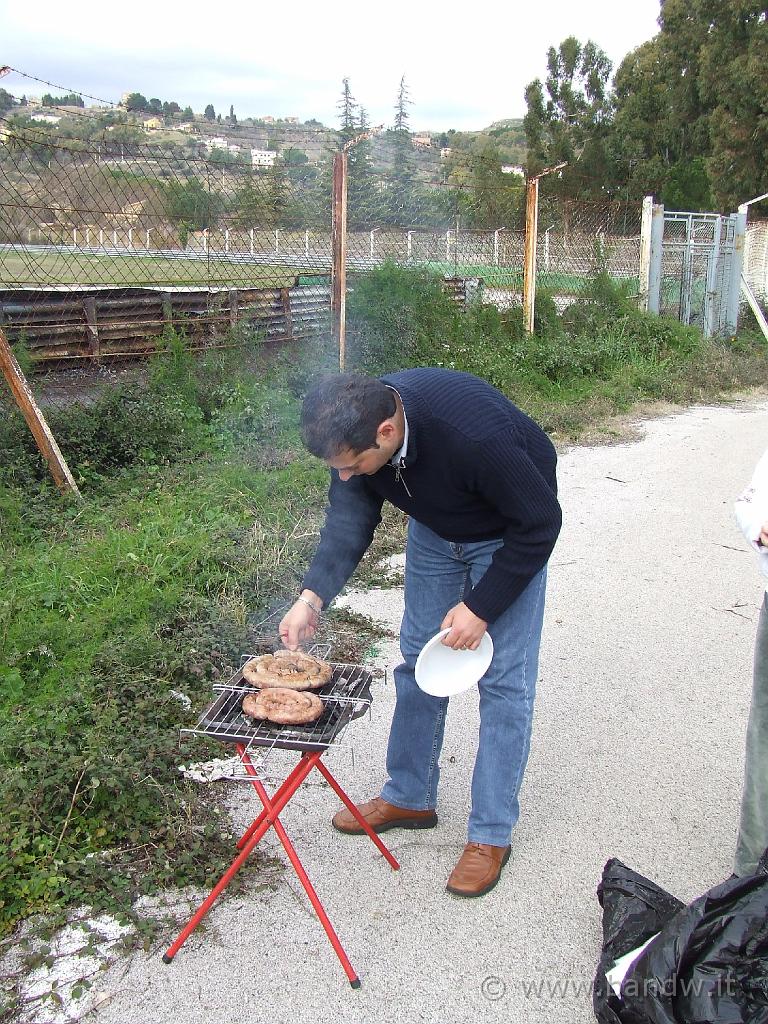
(366, 463)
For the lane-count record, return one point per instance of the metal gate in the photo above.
(695, 268)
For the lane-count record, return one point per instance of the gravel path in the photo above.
(637, 753)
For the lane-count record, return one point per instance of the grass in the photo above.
(554, 282)
(138, 270)
(50, 270)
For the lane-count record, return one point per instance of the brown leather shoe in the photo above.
(478, 869)
(382, 816)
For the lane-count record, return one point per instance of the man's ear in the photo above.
(386, 431)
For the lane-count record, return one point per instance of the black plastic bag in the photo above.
(708, 964)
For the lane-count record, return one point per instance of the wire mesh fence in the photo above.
(756, 262)
(104, 245)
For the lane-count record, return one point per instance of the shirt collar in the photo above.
(399, 456)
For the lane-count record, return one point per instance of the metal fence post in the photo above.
(644, 273)
(654, 268)
(339, 238)
(737, 263)
(711, 293)
(529, 264)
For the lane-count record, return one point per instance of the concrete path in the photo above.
(637, 753)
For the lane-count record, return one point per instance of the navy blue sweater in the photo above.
(476, 468)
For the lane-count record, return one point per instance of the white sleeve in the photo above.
(751, 506)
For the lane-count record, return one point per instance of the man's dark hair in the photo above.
(345, 411)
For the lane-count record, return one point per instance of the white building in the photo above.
(263, 157)
(513, 169)
(216, 142)
(445, 152)
(45, 118)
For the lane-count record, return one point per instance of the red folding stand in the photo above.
(269, 818)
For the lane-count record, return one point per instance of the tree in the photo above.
(294, 157)
(277, 192)
(572, 122)
(660, 131)
(188, 114)
(232, 119)
(135, 101)
(354, 122)
(249, 202)
(210, 113)
(691, 106)
(6, 101)
(72, 99)
(155, 105)
(496, 202)
(733, 84)
(191, 207)
(403, 181)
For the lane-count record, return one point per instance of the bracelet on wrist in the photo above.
(309, 604)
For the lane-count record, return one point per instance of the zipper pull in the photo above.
(399, 478)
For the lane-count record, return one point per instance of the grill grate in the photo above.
(346, 697)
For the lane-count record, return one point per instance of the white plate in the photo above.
(442, 672)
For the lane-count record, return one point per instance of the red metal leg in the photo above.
(299, 867)
(288, 781)
(279, 801)
(343, 796)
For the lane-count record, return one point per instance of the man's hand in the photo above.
(300, 621)
(763, 538)
(466, 629)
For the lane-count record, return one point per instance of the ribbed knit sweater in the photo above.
(476, 468)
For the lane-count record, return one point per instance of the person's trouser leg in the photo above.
(437, 576)
(434, 582)
(753, 823)
(507, 694)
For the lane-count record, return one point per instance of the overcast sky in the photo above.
(465, 66)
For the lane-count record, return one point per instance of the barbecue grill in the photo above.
(346, 697)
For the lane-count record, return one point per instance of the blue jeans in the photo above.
(438, 574)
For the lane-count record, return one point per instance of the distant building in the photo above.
(422, 141)
(513, 169)
(216, 142)
(291, 120)
(45, 118)
(445, 152)
(34, 101)
(188, 126)
(267, 119)
(263, 157)
(153, 122)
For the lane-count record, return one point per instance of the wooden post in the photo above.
(89, 307)
(167, 301)
(285, 298)
(41, 432)
(529, 265)
(339, 241)
(233, 311)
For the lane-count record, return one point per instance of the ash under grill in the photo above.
(347, 696)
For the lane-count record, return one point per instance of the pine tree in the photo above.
(403, 182)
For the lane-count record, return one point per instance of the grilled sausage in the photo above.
(283, 706)
(290, 669)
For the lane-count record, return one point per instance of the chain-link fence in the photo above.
(756, 263)
(104, 245)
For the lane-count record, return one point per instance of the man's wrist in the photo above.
(312, 601)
